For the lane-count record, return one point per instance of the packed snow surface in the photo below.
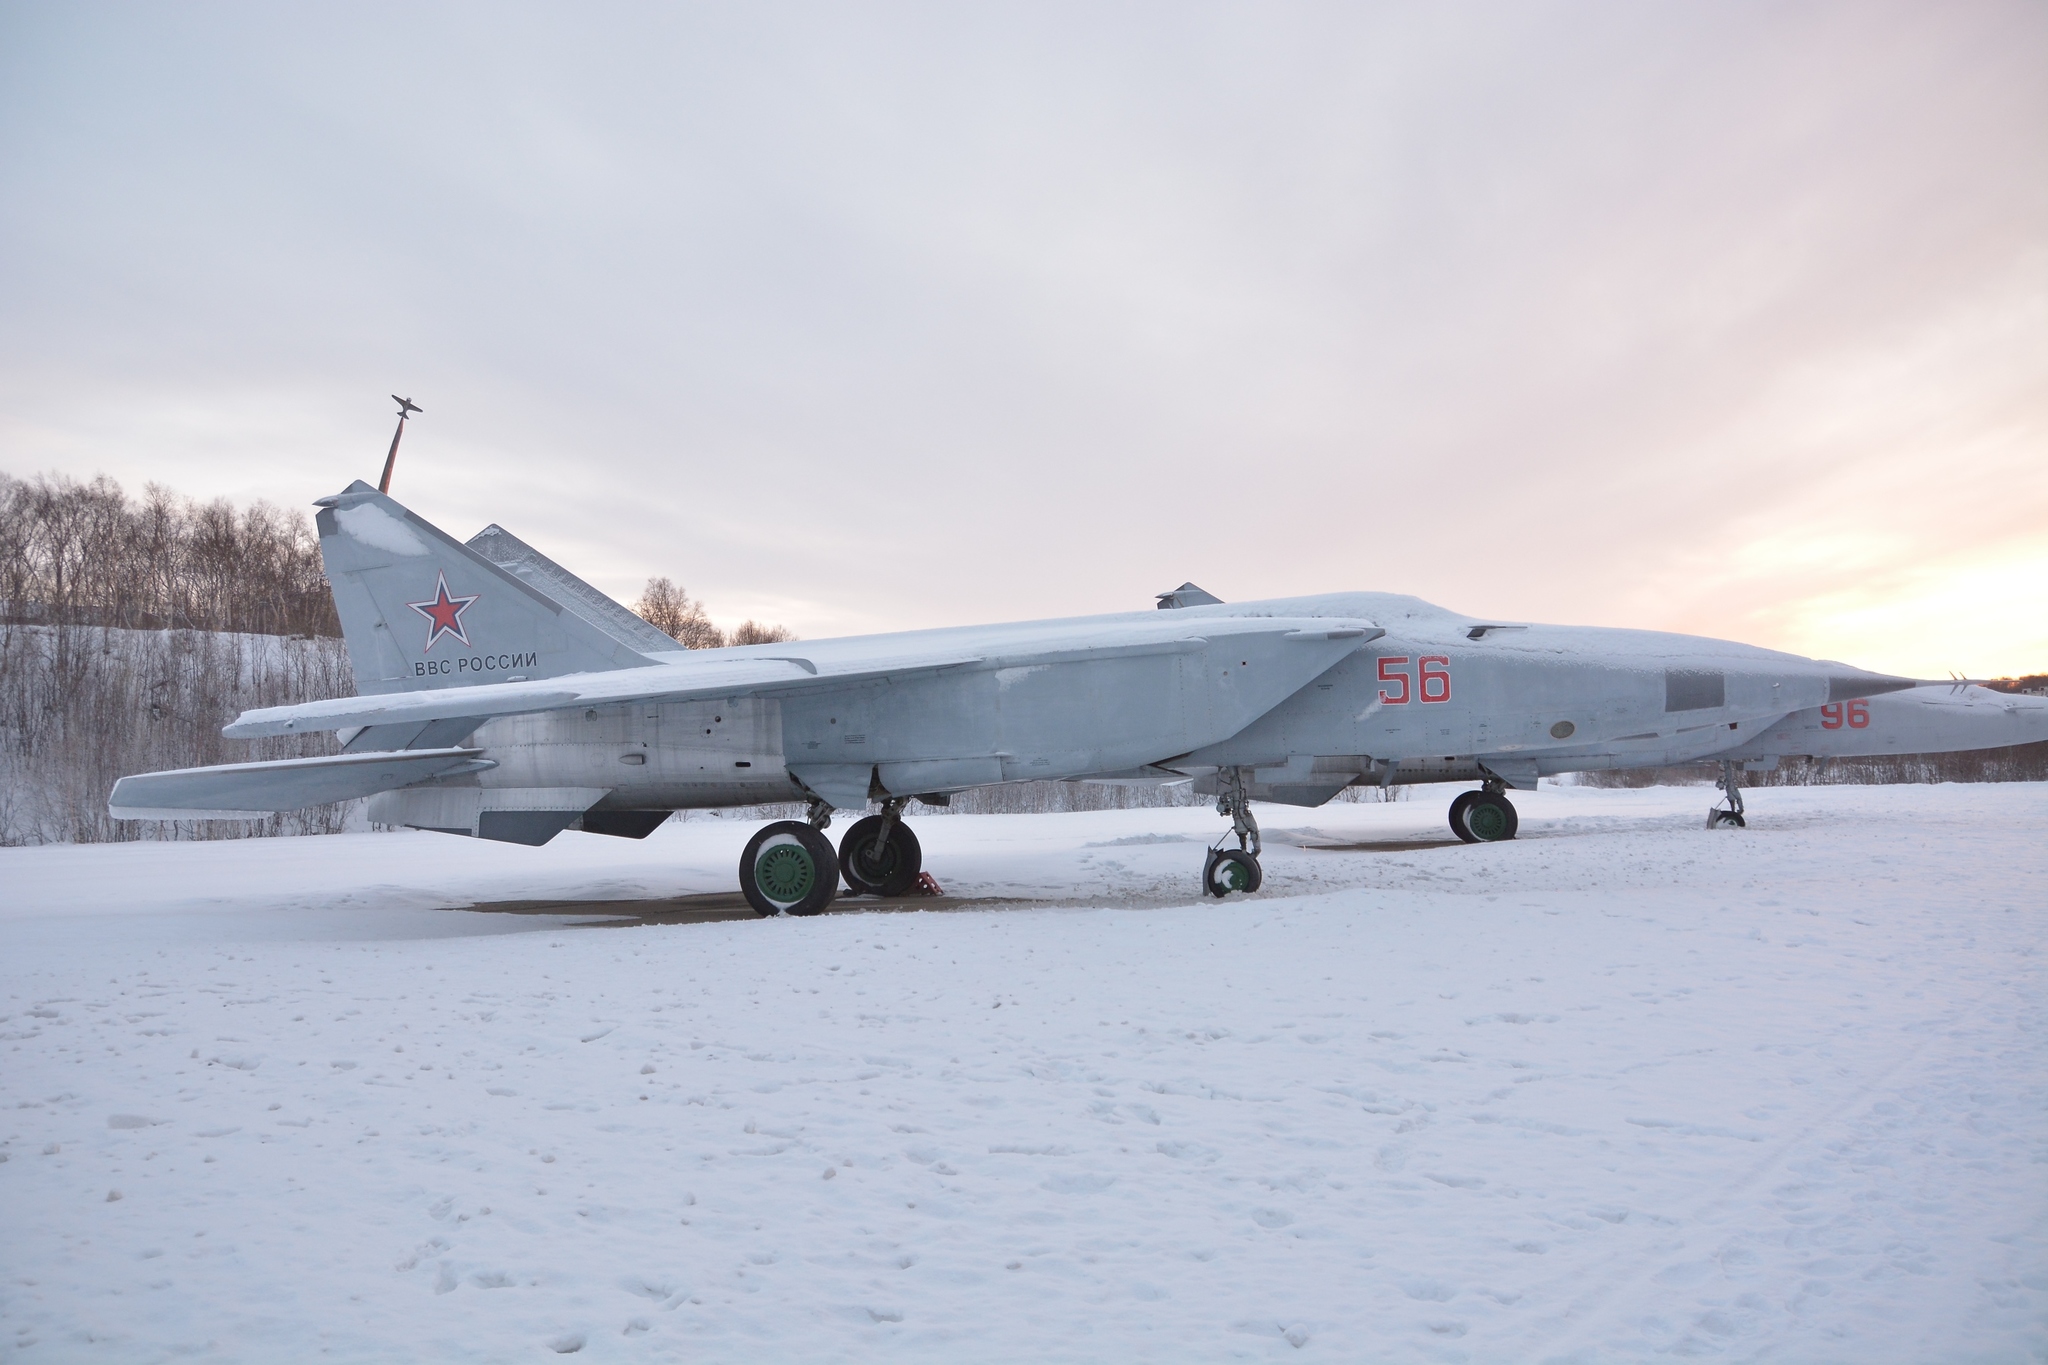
(1621, 1088)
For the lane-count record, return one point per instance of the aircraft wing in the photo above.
(719, 673)
(684, 681)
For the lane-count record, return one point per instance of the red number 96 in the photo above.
(1855, 713)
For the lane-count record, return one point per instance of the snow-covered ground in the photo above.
(1621, 1088)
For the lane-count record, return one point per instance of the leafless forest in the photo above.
(132, 629)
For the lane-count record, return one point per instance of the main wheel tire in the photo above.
(1458, 816)
(1229, 870)
(1490, 818)
(789, 868)
(893, 873)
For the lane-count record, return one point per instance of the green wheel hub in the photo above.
(1487, 821)
(1230, 875)
(785, 873)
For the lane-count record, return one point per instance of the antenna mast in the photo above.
(405, 407)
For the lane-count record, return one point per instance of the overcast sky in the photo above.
(1727, 318)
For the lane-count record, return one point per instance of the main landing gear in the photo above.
(880, 856)
(790, 868)
(1730, 782)
(1234, 869)
(1486, 815)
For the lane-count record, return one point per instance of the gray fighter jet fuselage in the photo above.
(500, 697)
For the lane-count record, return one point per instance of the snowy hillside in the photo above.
(1620, 1089)
(82, 706)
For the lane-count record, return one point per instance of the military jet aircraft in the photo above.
(503, 698)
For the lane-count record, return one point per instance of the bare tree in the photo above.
(673, 612)
(752, 632)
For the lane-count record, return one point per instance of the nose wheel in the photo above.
(1484, 816)
(1228, 870)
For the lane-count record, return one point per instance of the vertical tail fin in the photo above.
(421, 610)
(537, 571)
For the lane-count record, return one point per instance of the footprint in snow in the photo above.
(1294, 1334)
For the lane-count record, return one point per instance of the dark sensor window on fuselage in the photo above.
(1693, 689)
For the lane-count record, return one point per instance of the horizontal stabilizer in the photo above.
(250, 790)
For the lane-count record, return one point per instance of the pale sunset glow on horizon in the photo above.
(1723, 318)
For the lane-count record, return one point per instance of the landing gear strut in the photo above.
(1484, 816)
(880, 856)
(1234, 869)
(1730, 782)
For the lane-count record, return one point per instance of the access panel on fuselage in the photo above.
(649, 754)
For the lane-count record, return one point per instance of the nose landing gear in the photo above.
(1485, 816)
(1730, 782)
(1234, 869)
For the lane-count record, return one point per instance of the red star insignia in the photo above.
(444, 613)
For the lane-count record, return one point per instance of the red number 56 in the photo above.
(1433, 678)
